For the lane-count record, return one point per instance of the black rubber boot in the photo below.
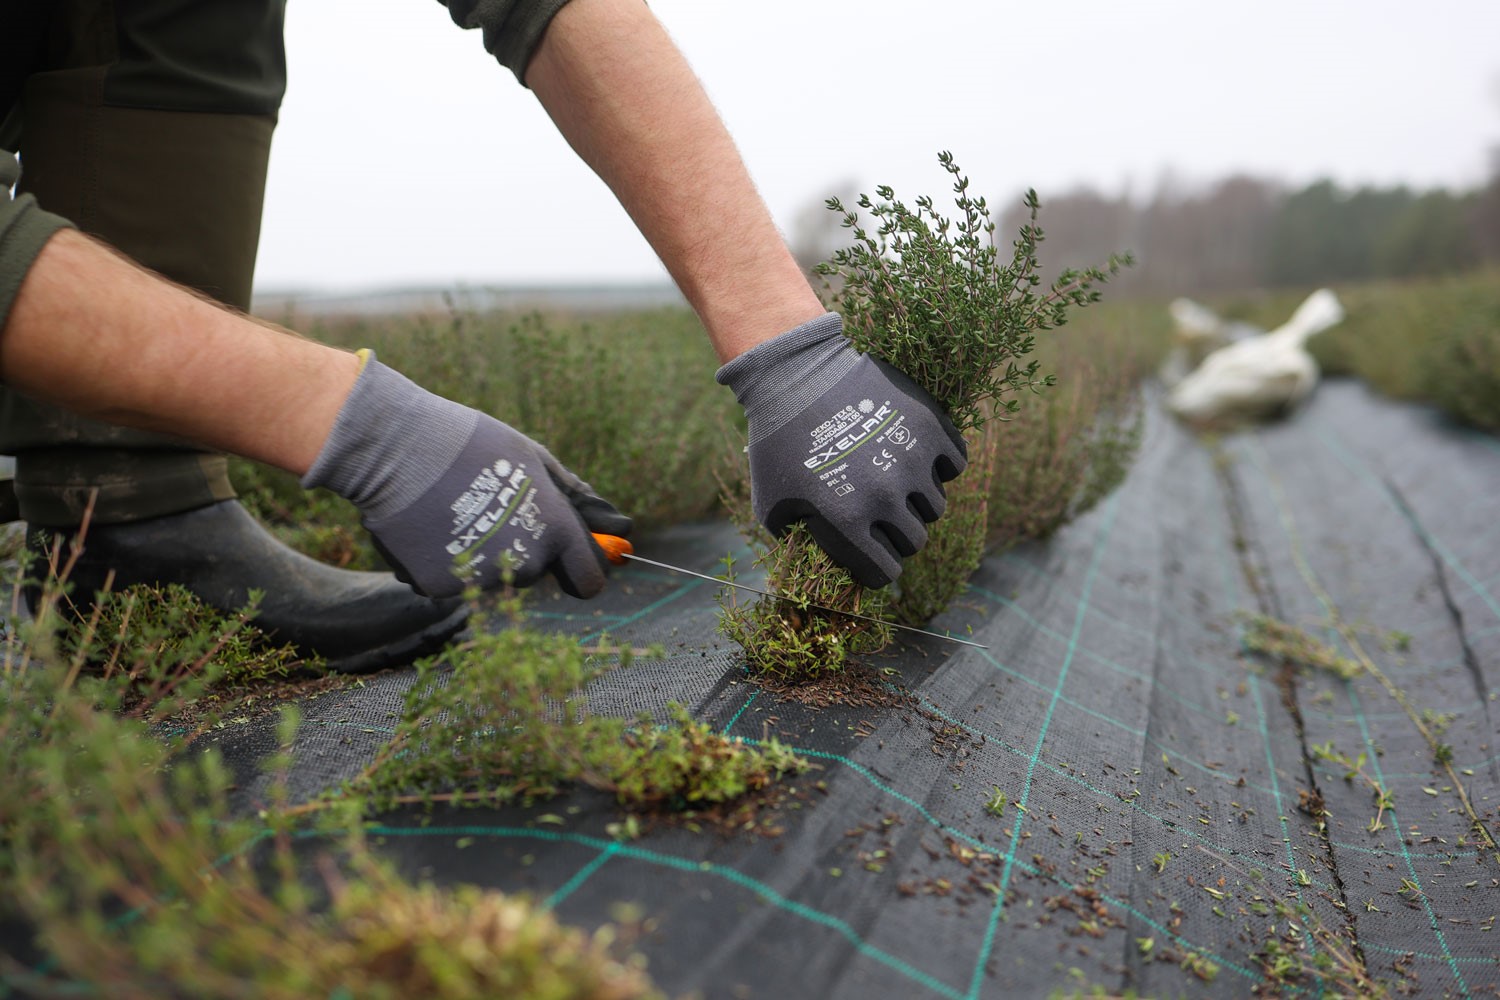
(357, 622)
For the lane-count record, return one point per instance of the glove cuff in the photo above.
(390, 442)
(777, 380)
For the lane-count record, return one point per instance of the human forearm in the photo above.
(24, 230)
(91, 331)
(432, 478)
(629, 104)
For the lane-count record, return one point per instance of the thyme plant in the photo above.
(121, 857)
(934, 296)
(509, 722)
(142, 629)
(788, 638)
(936, 575)
(124, 863)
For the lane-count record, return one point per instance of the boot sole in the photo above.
(402, 652)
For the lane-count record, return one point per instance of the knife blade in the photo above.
(617, 550)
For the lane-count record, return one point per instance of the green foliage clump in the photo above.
(934, 297)
(118, 849)
(932, 578)
(502, 724)
(1284, 641)
(1029, 475)
(121, 855)
(144, 630)
(1060, 457)
(687, 764)
(792, 638)
(1460, 367)
(402, 941)
(1046, 464)
(509, 722)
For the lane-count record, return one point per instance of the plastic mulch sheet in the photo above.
(1157, 777)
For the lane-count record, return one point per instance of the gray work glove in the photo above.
(846, 443)
(451, 495)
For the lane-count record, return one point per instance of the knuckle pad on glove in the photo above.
(948, 467)
(927, 506)
(872, 564)
(579, 573)
(779, 517)
(905, 536)
(600, 515)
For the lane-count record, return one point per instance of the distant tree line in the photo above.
(1244, 233)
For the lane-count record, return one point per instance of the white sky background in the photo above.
(407, 156)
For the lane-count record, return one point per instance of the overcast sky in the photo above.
(406, 155)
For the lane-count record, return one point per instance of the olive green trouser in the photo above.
(149, 126)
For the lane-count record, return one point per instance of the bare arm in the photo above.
(92, 332)
(95, 333)
(626, 100)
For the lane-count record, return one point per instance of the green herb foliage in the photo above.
(508, 722)
(120, 851)
(792, 639)
(933, 296)
(118, 848)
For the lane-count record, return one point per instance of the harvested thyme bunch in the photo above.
(932, 296)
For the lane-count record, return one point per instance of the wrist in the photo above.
(777, 379)
(740, 316)
(390, 441)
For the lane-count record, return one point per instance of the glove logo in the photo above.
(851, 427)
(492, 497)
(528, 519)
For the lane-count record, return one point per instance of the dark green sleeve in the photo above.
(23, 229)
(512, 29)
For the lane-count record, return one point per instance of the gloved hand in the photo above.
(846, 443)
(436, 482)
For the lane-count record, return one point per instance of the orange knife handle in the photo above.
(615, 548)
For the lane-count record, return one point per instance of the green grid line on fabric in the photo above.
(1105, 530)
(1290, 532)
(1411, 867)
(1122, 670)
(1336, 446)
(1167, 823)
